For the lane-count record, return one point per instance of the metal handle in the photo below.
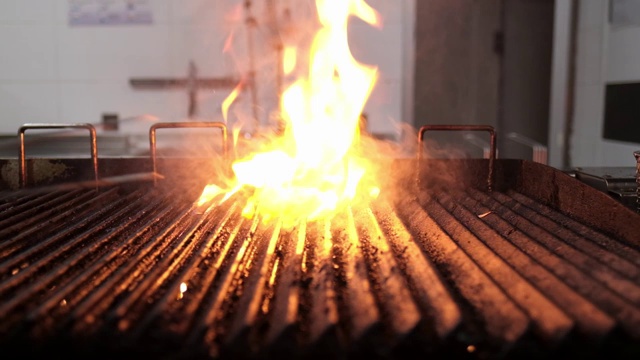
(487, 128)
(25, 127)
(193, 124)
(539, 150)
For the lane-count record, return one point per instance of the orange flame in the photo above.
(312, 170)
(227, 44)
(226, 104)
(290, 59)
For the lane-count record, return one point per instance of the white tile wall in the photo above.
(589, 104)
(605, 54)
(624, 150)
(203, 12)
(51, 72)
(589, 68)
(80, 100)
(113, 53)
(28, 52)
(27, 102)
(385, 52)
(204, 45)
(27, 11)
(384, 108)
(591, 14)
(624, 54)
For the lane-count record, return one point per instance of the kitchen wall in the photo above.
(605, 53)
(53, 72)
(458, 71)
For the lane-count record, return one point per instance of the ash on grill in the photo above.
(140, 271)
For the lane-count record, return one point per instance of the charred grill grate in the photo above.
(113, 268)
(132, 272)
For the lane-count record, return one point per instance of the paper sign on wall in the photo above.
(109, 12)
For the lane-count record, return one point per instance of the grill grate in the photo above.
(145, 272)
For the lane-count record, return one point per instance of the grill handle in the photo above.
(487, 128)
(25, 127)
(182, 125)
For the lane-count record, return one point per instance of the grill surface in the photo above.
(140, 271)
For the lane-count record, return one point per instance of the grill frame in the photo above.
(570, 198)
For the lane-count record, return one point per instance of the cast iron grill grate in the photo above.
(143, 271)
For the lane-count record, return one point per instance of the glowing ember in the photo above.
(183, 289)
(313, 168)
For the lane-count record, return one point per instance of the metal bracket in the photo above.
(487, 128)
(175, 125)
(25, 127)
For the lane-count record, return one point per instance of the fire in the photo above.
(290, 58)
(226, 104)
(313, 168)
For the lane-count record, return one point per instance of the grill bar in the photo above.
(431, 294)
(72, 286)
(35, 211)
(619, 248)
(547, 319)
(12, 200)
(118, 277)
(500, 236)
(58, 275)
(501, 318)
(319, 301)
(286, 296)
(356, 303)
(578, 273)
(44, 235)
(390, 289)
(147, 272)
(592, 259)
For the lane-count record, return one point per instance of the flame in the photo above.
(313, 168)
(226, 104)
(290, 58)
(227, 44)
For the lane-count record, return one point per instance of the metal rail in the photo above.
(25, 127)
(487, 128)
(182, 125)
